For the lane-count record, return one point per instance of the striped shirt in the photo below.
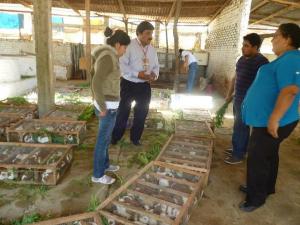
(246, 70)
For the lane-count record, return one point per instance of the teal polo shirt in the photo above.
(271, 78)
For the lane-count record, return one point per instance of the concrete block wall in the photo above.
(61, 51)
(224, 41)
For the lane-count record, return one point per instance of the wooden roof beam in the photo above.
(286, 9)
(122, 8)
(219, 11)
(259, 5)
(171, 12)
(295, 4)
(68, 5)
(26, 4)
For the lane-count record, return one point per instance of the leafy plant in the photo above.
(17, 101)
(219, 119)
(143, 158)
(28, 219)
(104, 220)
(93, 204)
(87, 113)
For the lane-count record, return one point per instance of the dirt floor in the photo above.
(219, 206)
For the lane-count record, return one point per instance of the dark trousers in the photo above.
(262, 162)
(241, 133)
(141, 94)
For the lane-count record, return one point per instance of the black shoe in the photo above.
(243, 188)
(246, 207)
(136, 143)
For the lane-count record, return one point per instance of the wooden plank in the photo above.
(88, 38)
(176, 167)
(183, 161)
(184, 154)
(186, 206)
(153, 199)
(259, 5)
(67, 5)
(168, 190)
(176, 48)
(190, 168)
(165, 146)
(161, 218)
(178, 181)
(219, 11)
(124, 187)
(116, 218)
(279, 12)
(68, 219)
(285, 2)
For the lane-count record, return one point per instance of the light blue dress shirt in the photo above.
(131, 63)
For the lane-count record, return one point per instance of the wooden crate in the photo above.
(66, 112)
(47, 131)
(193, 128)
(199, 115)
(91, 218)
(24, 111)
(158, 194)
(5, 122)
(188, 152)
(34, 163)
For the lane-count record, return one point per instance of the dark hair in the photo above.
(180, 51)
(291, 30)
(254, 39)
(145, 25)
(118, 36)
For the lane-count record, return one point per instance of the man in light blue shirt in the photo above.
(139, 67)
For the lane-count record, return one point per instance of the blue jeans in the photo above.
(241, 133)
(101, 157)
(193, 70)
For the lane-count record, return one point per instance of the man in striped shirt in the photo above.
(246, 69)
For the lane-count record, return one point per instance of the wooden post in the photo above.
(88, 39)
(126, 24)
(43, 48)
(175, 34)
(167, 47)
(106, 21)
(157, 34)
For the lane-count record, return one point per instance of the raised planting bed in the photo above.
(189, 153)
(47, 131)
(194, 128)
(66, 112)
(159, 194)
(24, 111)
(34, 163)
(199, 115)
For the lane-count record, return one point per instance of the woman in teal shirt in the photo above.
(271, 109)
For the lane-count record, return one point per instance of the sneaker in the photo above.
(233, 160)
(228, 151)
(104, 180)
(112, 168)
